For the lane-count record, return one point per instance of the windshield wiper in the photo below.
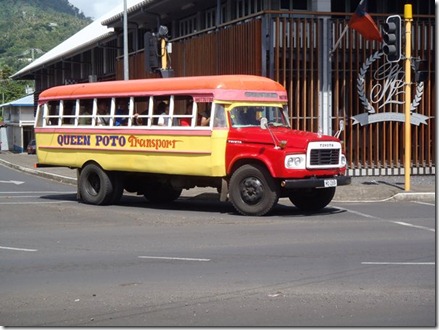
(266, 125)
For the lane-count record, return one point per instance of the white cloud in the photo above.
(95, 8)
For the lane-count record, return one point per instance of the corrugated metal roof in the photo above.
(91, 34)
(129, 10)
(27, 101)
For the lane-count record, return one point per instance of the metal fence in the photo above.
(326, 91)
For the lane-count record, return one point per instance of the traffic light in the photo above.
(421, 70)
(151, 52)
(392, 38)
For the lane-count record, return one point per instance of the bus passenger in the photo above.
(84, 119)
(121, 111)
(187, 121)
(140, 120)
(102, 111)
(162, 110)
(205, 117)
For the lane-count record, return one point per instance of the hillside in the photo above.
(29, 28)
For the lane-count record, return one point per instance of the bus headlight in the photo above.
(343, 161)
(295, 161)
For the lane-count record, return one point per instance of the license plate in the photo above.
(330, 183)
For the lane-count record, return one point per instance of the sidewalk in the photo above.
(362, 189)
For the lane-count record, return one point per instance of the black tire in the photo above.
(95, 185)
(312, 199)
(118, 188)
(161, 193)
(253, 191)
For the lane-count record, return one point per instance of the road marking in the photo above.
(397, 263)
(16, 249)
(394, 222)
(413, 226)
(359, 213)
(26, 203)
(37, 192)
(9, 197)
(173, 258)
(11, 181)
(425, 203)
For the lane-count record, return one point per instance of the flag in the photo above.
(364, 24)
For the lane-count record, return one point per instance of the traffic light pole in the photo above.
(408, 17)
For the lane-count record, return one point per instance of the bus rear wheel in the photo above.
(96, 186)
(312, 199)
(252, 191)
(161, 192)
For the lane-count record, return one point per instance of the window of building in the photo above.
(188, 25)
(300, 4)
(294, 4)
(210, 18)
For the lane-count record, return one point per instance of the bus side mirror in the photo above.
(264, 123)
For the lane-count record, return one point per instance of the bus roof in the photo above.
(221, 87)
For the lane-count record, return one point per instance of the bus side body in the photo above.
(247, 151)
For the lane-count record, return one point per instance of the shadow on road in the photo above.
(205, 202)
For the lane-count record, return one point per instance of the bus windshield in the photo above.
(248, 116)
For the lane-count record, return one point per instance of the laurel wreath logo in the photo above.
(361, 89)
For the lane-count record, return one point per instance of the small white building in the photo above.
(18, 121)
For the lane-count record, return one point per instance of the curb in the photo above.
(52, 176)
(416, 197)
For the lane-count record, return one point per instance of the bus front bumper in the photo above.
(316, 182)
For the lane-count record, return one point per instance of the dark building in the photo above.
(350, 86)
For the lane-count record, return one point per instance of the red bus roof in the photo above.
(221, 87)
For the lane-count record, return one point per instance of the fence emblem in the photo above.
(387, 90)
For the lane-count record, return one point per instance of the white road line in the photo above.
(16, 249)
(359, 213)
(26, 203)
(37, 192)
(173, 258)
(425, 203)
(16, 197)
(394, 222)
(398, 263)
(413, 226)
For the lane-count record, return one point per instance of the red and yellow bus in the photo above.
(156, 137)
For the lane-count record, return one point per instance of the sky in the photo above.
(95, 8)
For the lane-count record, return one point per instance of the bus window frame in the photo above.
(68, 117)
(47, 116)
(84, 102)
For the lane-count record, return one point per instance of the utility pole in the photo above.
(408, 18)
(126, 72)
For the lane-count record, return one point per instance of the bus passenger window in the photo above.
(85, 112)
(68, 112)
(121, 115)
(204, 114)
(53, 113)
(103, 112)
(141, 108)
(162, 111)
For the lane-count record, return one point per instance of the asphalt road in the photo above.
(197, 263)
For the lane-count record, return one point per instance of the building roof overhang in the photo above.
(83, 40)
(26, 101)
(162, 10)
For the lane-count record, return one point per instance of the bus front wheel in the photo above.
(312, 199)
(95, 185)
(252, 191)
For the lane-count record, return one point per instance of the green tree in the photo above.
(29, 28)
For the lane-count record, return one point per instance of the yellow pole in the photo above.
(408, 17)
(164, 55)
